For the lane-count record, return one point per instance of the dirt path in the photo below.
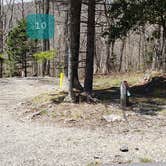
(34, 144)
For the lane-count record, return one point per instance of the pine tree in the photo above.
(19, 48)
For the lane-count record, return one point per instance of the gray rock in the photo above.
(112, 118)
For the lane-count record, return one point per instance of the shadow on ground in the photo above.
(146, 99)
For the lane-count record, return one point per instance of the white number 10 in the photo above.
(42, 25)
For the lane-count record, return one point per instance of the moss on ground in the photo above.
(56, 97)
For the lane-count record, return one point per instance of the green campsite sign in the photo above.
(40, 26)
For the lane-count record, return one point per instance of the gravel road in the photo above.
(34, 144)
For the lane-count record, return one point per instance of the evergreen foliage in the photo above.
(19, 47)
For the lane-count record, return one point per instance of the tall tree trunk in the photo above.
(66, 28)
(35, 63)
(88, 84)
(76, 14)
(1, 39)
(164, 47)
(157, 58)
(46, 42)
(72, 47)
(70, 50)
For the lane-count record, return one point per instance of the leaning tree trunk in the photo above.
(88, 84)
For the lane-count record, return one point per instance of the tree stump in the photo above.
(124, 98)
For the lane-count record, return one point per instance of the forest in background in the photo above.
(91, 37)
(95, 94)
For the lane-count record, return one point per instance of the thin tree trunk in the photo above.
(121, 54)
(1, 68)
(157, 59)
(46, 42)
(22, 9)
(25, 64)
(109, 66)
(1, 38)
(107, 62)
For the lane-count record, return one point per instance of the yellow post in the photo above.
(61, 79)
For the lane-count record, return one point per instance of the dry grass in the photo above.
(56, 97)
(69, 114)
(103, 82)
(94, 164)
(53, 108)
(145, 160)
(163, 112)
(50, 106)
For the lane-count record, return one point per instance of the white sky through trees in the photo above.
(16, 1)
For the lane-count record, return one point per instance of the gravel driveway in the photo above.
(34, 144)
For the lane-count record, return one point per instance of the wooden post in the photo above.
(22, 73)
(124, 98)
(61, 80)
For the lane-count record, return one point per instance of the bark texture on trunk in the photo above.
(46, 42)
(1, 39)
(121, 54)
(1, 68)
(88, 84)
(72, 46)
(75, 40)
